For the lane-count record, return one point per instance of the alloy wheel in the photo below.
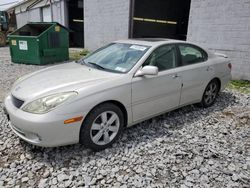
(211, 93)
(105, 128)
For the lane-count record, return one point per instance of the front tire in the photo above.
(210, 94)
(102, 127)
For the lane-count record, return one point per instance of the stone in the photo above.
(139, 170)
(115, 169)
(188, 184)
(54, 181)
(25, 179)
(46, 174)
(93, 181)
(103, 172)
(235, 177)
(42, 183)
(231, 167)
(62, 177)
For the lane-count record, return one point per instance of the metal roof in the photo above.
(20, 3)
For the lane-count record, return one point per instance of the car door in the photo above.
(195, 73)
(152, 95)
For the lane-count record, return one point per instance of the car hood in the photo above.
(60, 78)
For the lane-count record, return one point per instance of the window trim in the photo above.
(203, 52)
(177, 64)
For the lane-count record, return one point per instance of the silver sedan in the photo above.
(90, 101)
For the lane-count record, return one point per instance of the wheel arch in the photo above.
(218, 81)
(115, 102)
(202, 103)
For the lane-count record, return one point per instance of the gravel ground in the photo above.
(189, 147)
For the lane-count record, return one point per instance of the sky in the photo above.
(7, 1)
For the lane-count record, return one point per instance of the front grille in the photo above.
(17, 102)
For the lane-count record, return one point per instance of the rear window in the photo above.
(191, 54)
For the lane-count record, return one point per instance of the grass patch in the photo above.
(241, 85)
(77, 54)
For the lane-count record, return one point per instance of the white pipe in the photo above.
(51, 11)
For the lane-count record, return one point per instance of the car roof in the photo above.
(151, 41)
(155, 42)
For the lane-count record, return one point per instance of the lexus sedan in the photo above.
(92, 100)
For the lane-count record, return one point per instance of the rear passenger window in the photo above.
(191, 55)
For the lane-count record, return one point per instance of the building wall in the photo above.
(34, 14)
(22, 16)
(21, 19)
(105, 21)
(223, 26)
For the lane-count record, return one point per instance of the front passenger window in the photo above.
(163, 57)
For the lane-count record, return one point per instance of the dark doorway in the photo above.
(160, 18)
(75, 16)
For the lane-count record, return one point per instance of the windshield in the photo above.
(116, 57)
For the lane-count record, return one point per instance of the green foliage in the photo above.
(240, 85)
(77, 54)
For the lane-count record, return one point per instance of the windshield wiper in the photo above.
(99, 66)
(96, 65)
(81, 61)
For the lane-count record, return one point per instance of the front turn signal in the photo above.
(73, 120)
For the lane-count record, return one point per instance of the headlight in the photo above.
(48, 103)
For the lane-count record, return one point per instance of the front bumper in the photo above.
(6, 113)
(46, 130)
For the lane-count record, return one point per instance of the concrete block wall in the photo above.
(223, 26)
(105, 21)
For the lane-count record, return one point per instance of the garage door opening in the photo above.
(75, 17)
(160, 18)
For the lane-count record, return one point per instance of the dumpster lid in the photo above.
(36, 28)
(52, 23)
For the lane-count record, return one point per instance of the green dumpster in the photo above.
(39, 43)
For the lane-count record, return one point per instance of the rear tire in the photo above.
(102, 127)
(210, 94)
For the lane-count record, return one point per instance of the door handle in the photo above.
(175, 76)
(209, 68)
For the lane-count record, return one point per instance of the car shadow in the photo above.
(139, 134)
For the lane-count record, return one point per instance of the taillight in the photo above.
(229, 66)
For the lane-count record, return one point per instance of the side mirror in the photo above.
(147, 70)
